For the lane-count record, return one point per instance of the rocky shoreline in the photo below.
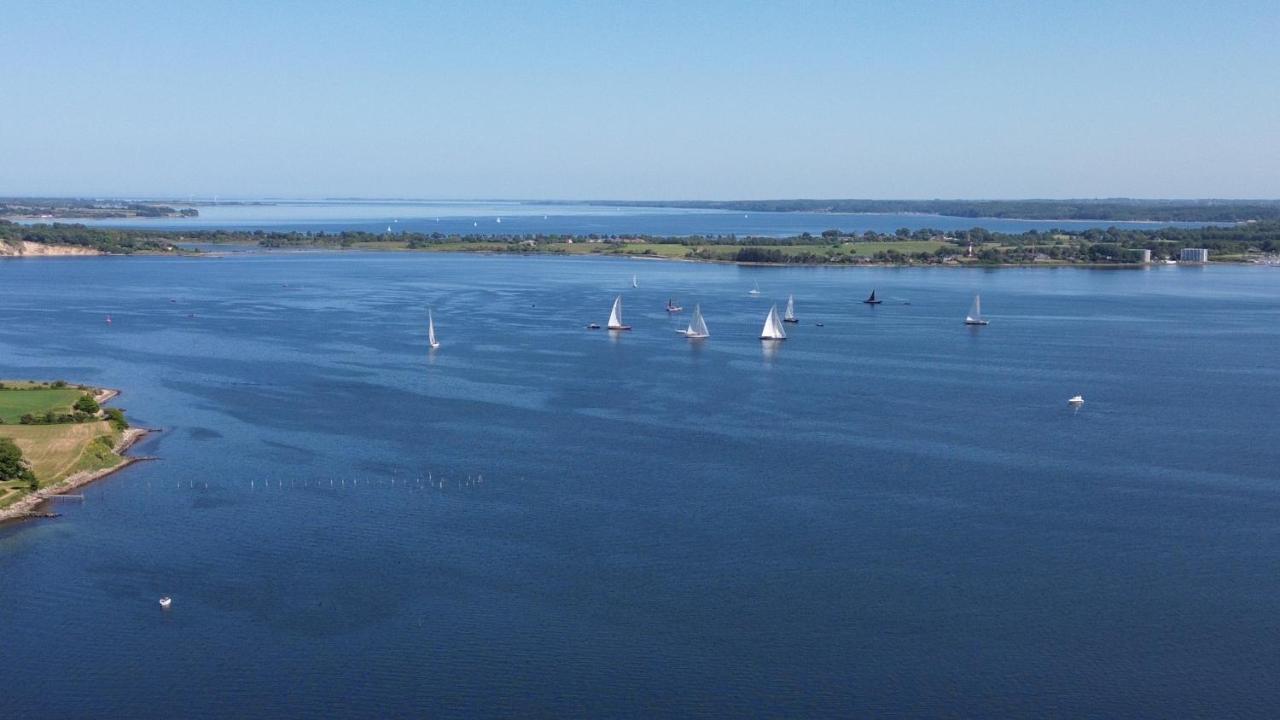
(26, 507)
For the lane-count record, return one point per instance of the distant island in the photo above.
(1241, 242)
(1108, 209)
(79, 209)
(54, 437)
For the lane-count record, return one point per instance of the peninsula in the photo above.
(1239, 242)
(55, 437)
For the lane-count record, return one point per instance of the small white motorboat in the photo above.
(165, 602)
(1076, 400)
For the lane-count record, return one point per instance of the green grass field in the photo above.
(16, 403)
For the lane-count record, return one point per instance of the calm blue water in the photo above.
(490, 218)
(891, 515)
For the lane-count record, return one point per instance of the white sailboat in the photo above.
(634, 283)
(697, 326)
(773, 326)
(790, 314)
(615, 316)
(431, 331)
(755, 290)
(975, 313)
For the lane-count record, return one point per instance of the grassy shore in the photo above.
(62, 455)
(19, 398)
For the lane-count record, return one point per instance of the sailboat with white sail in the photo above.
(635, 283)
(975, 313)
(697, 326)
(773, 326)
(431, 331)
(615, 316)
(790, 314)
(755, 290)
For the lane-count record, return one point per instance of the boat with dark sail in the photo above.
(872, 300)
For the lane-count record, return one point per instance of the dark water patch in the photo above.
(202, 433)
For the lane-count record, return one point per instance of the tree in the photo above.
(12, 466)
(86, 404)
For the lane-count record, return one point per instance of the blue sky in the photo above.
(641, 100)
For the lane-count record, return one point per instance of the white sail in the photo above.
(975, 311)
(634, 282)
(755, 289)
(773, 326)
(791, 307)
(697, 326)
(615, 317)
(431, 331)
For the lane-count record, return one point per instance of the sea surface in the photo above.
(890, 515)
(510, 217)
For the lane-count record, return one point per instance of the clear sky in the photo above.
(641, 100)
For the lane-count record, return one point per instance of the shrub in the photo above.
(86, 404)
(12, 465)
(116, 417)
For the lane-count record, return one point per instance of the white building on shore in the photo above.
(1193, 255)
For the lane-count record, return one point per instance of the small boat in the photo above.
(593, 326)
(754, 291)
(431, 331)
(1076, 400)
(634, 282)
(672, 307)
(108, 319)
(819, 324)
(790, 314)
(697, 326)
(165, 602)
(773, 326)
(872, 300)
(388, 228)
(615, 316)
(975, 313)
